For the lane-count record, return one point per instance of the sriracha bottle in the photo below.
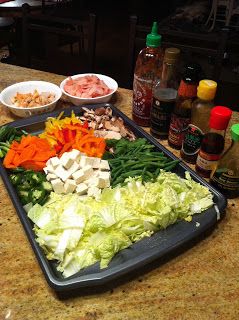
(147, 71)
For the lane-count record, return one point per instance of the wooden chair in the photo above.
(188, 42)
(56, 44)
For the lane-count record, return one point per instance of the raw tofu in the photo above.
(93, 192)
(62, 173)
(88, 171)
(51, 176)
(105, 175)
(57, 186)
(86, 161)
(74, 168)
(96, 163)
(81, 189)
(49, 169)
(78, 176)
(70, 186)
(66, 160)
(75, 155)
(104, 165)
(54, 162)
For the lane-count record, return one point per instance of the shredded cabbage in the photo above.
(79, 232)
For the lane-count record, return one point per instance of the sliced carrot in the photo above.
(30, 153)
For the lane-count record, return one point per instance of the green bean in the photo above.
(171, 165)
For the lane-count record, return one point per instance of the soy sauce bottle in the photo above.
(213, 142)
(225, 177)
(181, 115)
(164, 95)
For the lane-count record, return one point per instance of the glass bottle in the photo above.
(212, 144)
(181, 115)
(148, 68)
(199, 123)
(225, 177)
(164, 95)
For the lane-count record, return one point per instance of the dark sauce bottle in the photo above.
(181, 114)
(213, 142)
(225, 177)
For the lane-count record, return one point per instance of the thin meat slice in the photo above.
(86, 87)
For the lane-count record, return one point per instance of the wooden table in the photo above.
(201, 283)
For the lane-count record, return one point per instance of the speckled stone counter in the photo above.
(201, 282)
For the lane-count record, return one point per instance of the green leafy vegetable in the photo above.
(79, 231)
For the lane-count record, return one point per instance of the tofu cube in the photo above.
(75, 155)
(93, 192)
(88, 171)
(54, 162)
(70, 186)
(49, 169)
(96, 163)
(100, 183)
(75, 166)
(85, 161)
(92, 180)
(81, 189)
(57, 186)
(51, 176)
(62, 173)
(104, 165)
(66, 160)
(78, 176)
(105, 176)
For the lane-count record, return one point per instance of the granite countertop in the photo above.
(201, 282)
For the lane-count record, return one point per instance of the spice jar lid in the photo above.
(219, 118)
(207, 89)
(235, 132)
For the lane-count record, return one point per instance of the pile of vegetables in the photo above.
(31, 186)
(136, 158)
(70, 133)
(78, 231)
(30, 153)
(78, 237)
(7, 136)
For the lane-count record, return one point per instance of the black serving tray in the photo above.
(139, 254)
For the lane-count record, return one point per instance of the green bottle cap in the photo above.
(235, 132)
(153, 39)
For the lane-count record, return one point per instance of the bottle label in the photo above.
(192, 140)
(142, 97)
(226, 179)
(160, 116)
(187, 90)
(207, 162)
(177, 130)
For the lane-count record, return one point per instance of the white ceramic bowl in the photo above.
(77, 101)
(27, 87)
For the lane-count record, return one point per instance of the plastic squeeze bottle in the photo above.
(225, 177)
(164, 95)
(199, 124)
(213, 142)
(148, 69)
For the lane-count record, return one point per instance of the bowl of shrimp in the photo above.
(89, 88)
(30, 98)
